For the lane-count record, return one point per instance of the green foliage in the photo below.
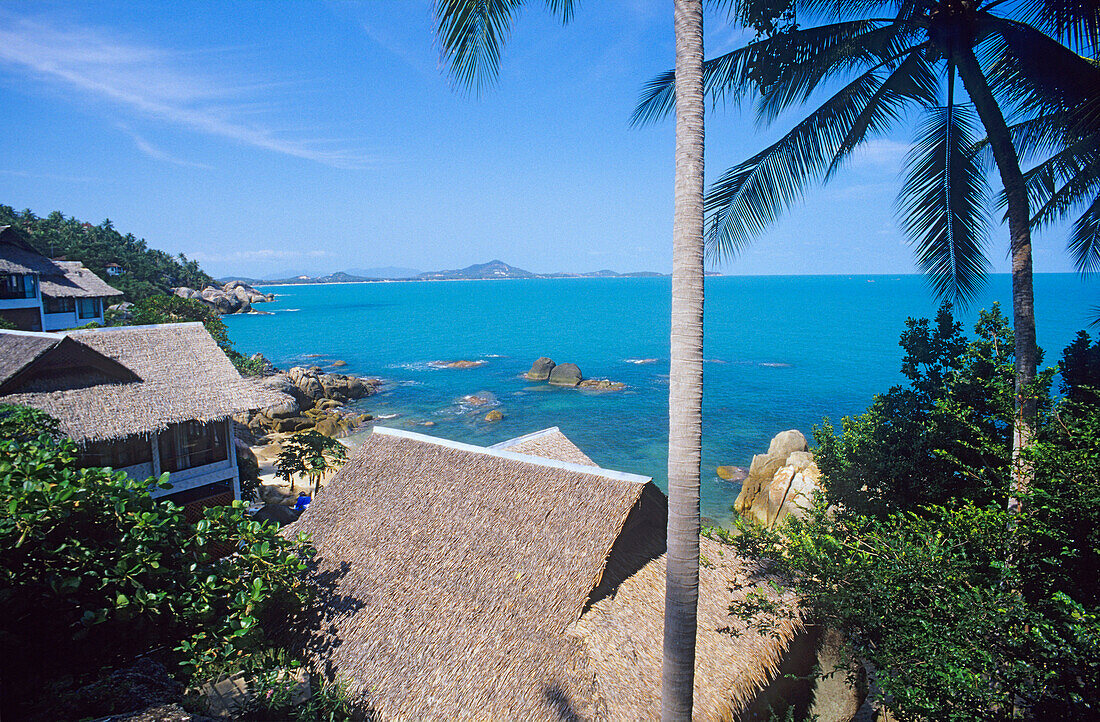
(966, 610)
(147, 271)
(947, 434)
(6, 324)
(311, 454)
(1081, 370)
(93, 571)
(248, 471)
(275, 700)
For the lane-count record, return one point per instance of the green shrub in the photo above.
(967, 611)
(94, 571)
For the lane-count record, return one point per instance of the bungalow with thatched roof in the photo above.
(37, 293)
(140, 399)
(519, 581)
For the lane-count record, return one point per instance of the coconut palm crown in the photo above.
(1026, 61)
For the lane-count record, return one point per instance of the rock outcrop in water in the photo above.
(233, 297)
(568, 374)
(540, 370)
(780, 482)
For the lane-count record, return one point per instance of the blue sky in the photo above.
(263, 138)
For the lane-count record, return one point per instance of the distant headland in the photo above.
(477, 272)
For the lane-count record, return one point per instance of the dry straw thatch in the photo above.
(60, 279)
(460, 582)
(16, 257)
(549, 443)
(181, 374)
(72, 280)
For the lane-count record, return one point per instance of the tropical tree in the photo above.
(1016, 59)
(472, 33)
(310, 454)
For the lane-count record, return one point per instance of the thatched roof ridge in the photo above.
(72, 280)
(183, 374)
(21, 348)
(16, 259)
(550, 443)
(622, 635)
(450, 572)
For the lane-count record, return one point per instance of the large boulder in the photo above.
(781, 482)
(566, 375)
(540, 370)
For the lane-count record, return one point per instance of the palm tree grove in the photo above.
(260, 462)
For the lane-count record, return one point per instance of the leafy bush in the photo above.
(93, 571)
(966, 610)
(310, 454)
(945, 435)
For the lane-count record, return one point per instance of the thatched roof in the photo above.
(622, 635)
(21, 349)
(465, 582)
(36, 361)
(71, 279)
(549, 443)
(16, 257)
(182, 375)
(60, 279)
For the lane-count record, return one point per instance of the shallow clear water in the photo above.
(783, 352)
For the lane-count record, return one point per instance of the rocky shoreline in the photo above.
(317, 401)
(233, 297)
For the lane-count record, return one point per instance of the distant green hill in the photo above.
(145, 271)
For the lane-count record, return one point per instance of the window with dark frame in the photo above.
(17, 286)
(58, 305)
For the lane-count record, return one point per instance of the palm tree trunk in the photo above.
(685, 397)
(1023, 296)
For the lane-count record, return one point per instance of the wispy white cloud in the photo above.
(880, 153)
(260, 254)
(152, 82)
(159, 154)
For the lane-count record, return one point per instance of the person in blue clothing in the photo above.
(303, 502)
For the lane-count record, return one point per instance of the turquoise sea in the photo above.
(782, 352)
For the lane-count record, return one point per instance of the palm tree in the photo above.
(472, 33)
(893, 57)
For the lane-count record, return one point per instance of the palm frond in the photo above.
(942, 204)
(1063, 181)
(730, 76)
(1037, 75)
(797, 71)
(753, 194)
(562, 8)
(1073, 22)
(913, 80)
(472, 34)
(1084, 240)
(1036, 137)
(840, 8)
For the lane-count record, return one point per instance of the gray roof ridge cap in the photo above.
(526, 437)
(107, 329)
(36, 334)
(514, 456)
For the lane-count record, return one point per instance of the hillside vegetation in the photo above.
(146, 271)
